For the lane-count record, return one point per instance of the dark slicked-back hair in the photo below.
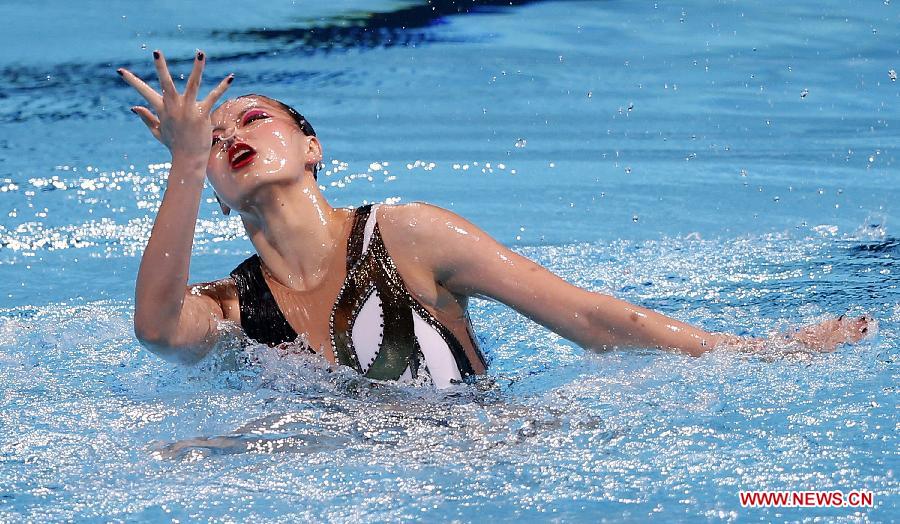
(305, 127)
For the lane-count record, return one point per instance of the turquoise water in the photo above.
(730, 164)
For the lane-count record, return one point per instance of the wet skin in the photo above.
(261, 166)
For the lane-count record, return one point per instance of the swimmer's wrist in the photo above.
(190, 159)
(726, 341)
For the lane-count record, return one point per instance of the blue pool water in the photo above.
(730, 164)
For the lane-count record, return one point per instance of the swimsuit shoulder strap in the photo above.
(356, 242)
(261, 319)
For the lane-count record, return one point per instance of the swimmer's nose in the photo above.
(228, 134)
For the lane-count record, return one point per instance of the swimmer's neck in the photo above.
(295, 231)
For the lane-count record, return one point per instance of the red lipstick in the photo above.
(240, 155)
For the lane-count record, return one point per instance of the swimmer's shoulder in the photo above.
(224, 293)
(408, 226)
(415, 231)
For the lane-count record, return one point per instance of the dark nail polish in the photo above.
(121, 73)
(865, 330)
(230, 79)
(840, 318)
(133, 110)
(200, 55)
(156, 55)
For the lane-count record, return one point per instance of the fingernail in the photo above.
(121, 73)
(865, 330)
(840, 318)
(134, 110)
(230, 78)
(199, 55)
(156, 55)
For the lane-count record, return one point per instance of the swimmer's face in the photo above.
(255, 142)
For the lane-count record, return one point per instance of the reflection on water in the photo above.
(615, 430)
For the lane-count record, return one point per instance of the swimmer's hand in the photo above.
(828, 335)
(824, 336)
(183, 124)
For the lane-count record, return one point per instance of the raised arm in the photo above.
(467, 261)
(173, 319)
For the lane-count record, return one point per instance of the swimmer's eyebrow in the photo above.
(240, 116)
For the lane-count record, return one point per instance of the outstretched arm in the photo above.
(467, 261)
(173, 319)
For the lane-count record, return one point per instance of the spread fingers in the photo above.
(150, 120)
(193, 83)
(149, 94)
(165, 79)
(217, 92)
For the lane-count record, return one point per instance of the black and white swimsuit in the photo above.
(376, 326)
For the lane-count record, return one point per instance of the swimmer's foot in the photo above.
(828, 335)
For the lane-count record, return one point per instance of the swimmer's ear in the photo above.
(225, 209)
(313, 152)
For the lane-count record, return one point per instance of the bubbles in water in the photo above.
(627, 170)
(143, 46)
(892, 74)
(521, 142)
(630, 106)
(634, 218)
(804, 93)
(743, 172)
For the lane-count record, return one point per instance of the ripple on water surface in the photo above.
(550, 431)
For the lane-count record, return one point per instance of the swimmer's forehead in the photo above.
(234, 107)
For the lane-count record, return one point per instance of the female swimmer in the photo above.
(383, 289)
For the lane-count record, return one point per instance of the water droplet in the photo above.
(804, 93)
(590, 94)
(776, 198)
(634, 218)
(521, 142)
(630, 106)
(743, 172)
(627, 170)
(892, 74)
(143, 46)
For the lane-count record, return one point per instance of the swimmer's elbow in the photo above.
(167, 349)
